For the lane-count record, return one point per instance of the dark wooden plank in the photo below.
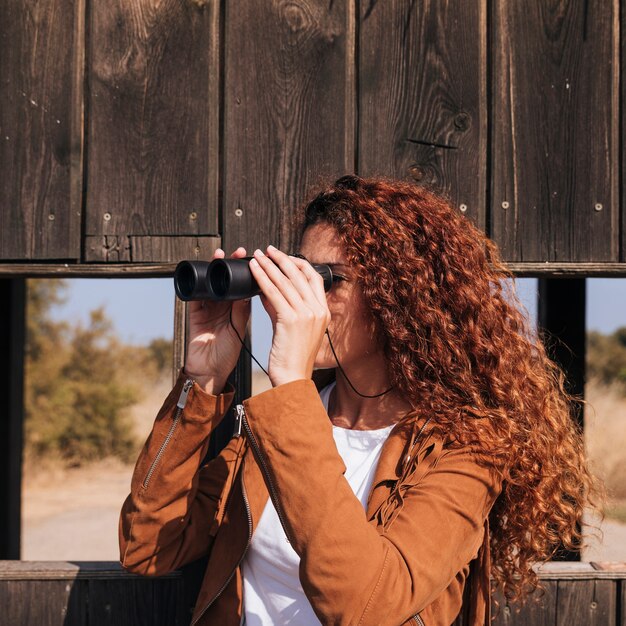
(69, 570)
(148, 249)
(137, 601)
(288, 113)
(12, 336)
(87, 270)
(539, 610)
(168, 607)
(41, 93)
(92, 270)
(153, 149)
(44, 603)
(588, 602)
(422, 97)
(622, 155)
(107, 249)
(555, 130)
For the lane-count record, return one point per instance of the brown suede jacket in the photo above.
(418, 555)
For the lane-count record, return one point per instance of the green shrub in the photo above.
(78, 390)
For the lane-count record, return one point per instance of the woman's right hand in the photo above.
(212, 345)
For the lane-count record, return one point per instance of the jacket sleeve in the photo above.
(354, 571)
(169, 517)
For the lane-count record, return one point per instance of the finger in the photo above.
(315, 279)
(296, 276)
(282, 306)
(239, 253)
(279, 280)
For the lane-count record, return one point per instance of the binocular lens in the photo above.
(220, 279)
(186, 280)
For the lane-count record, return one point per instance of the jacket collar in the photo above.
(389, 465)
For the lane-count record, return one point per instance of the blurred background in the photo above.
(98, 367)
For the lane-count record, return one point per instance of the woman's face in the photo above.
(351, 326)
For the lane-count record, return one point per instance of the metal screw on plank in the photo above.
(193, 215)
(463, 208)
(598, 207)
(238, 212)
(594, 605)
(505, 205)
(51, 217)
(107, 217)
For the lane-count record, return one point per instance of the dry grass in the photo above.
(605, 438)
(605, 435)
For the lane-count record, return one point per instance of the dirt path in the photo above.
(73, 515)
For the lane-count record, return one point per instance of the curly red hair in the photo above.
(460, 347)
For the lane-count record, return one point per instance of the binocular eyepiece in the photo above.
(225, 279)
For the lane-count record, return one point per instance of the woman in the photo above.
(438, 453)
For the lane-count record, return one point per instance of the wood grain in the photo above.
(422, 96)
(590, 602)
(540, 610)
(45, 603)
(288, 112)
(153, 124)
(121, 249)
(41, 115)
(555, 130)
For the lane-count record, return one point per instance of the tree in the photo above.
(76, 400)
(606, 356)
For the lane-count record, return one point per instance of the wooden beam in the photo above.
(139, 270)
(561, 312)
(12, 334)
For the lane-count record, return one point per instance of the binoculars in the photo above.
(225, 279)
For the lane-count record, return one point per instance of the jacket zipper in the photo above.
(418, 619)
(263, 465)
(245, 550)
(180, 405)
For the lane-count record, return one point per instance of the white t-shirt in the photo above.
(272, 593)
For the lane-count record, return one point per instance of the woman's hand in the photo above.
(213, 347)
(294, 297)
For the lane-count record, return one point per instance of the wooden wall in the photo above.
(143, 132)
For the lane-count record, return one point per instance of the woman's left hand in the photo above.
(294, 297)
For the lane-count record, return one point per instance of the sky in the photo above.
(143, 308)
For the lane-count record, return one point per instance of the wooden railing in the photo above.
(84, 593)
